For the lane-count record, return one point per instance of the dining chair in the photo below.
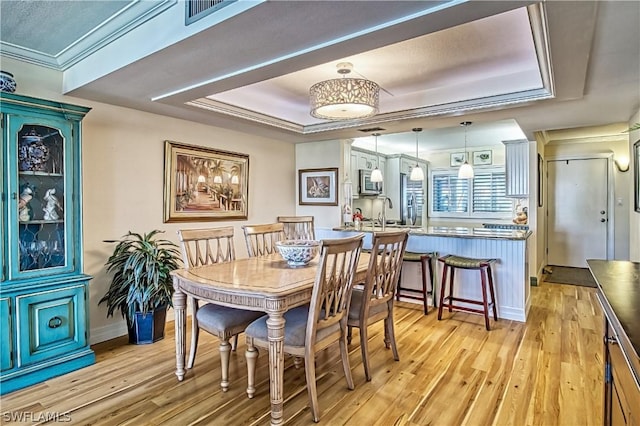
(374, 301)
(261, 239)
(313, 327)
(298, 227)
(207, 246)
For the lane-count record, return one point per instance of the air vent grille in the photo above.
(372, 129)
(197, 9)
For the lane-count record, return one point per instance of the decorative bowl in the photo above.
(298, 252)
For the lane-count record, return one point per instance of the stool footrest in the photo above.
(460, 299)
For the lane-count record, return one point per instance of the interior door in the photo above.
(577, 211)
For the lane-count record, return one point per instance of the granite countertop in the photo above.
(449, 231)
(619, 284)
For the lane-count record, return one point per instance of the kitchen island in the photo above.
(507, 246)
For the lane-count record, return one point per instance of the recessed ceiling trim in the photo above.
(316, 47)
(540, 33)
(234, 111)
(134, 14)
(453, 108)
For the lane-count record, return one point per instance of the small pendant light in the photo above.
(416, 172)
(466, 171)
(376, 174)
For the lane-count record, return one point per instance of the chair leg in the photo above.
(195, 331)
(234, 345)
(225, 351)
(483, 283)
(310, 374)
(388, 322)
(433, 282)
(452, 272)
(364, 348)
(349, 334)
(346, 366)
(423, 261)
(492, 291)
(445, 269)
(251, 355)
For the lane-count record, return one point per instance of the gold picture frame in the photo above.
(204, 184)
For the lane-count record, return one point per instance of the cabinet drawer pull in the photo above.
(55, 322)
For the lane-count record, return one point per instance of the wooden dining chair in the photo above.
(374, 301)
(204, 247)
(312, 328)
(298, 227)
(261, 239)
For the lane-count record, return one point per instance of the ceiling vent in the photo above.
(198, 9)
(372, 129)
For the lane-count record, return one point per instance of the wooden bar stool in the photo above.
(484, 266)
(410, 293)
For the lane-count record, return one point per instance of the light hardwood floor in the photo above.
(548, 371)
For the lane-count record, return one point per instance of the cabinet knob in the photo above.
(55, 322)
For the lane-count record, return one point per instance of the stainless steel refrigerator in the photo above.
(412, 201)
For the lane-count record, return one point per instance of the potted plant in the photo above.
(141, 287)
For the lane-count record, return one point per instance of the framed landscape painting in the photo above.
(204, 184)
(318, 187)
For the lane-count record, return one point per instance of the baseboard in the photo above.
(108, 332)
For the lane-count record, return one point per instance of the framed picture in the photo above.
(636, 175)
(457, 159)
(482, 158)
(318, 187)
(540, 182)
(204, 184)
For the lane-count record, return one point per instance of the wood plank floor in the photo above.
(548, 371)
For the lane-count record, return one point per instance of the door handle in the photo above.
(603, 220)
(602, 212)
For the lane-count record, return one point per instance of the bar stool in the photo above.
(484, 266)
(410, 293)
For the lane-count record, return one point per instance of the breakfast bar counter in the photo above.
(507, 246)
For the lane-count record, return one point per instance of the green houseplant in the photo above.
(141, 287)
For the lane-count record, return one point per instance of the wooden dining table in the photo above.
(267, 284)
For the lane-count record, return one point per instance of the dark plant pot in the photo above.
(148, 328)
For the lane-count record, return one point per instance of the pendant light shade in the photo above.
(344, 98)
(416, 172)
(466, 171)
(376, 174)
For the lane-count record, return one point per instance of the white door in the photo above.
(577, 211)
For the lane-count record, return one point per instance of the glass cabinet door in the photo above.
(42, 219)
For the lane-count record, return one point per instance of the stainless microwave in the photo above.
(366, 186)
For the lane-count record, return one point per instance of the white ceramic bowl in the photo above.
(298, 252)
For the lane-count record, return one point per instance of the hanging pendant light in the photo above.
(416, 172)
(344, 98)
(466, 171)
(376, 174)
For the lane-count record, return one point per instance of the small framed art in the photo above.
(318, 187)
(482, 158)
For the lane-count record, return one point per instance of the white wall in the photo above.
(634, 217)
(123, 175)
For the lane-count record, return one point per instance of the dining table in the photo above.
(266, 284)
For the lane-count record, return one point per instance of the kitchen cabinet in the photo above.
(365, 160)
(619, 297)
(44, 315)
(517, 168)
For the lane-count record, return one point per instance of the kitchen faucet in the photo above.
(382, 217)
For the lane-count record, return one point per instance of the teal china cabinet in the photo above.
(44, 310)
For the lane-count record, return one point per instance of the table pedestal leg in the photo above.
(179, 308)
(275, 327)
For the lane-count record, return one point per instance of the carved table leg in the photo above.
(179, 308)
(275, 328)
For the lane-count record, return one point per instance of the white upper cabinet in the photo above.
(517, 168)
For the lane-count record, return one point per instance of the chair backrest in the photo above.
(333, 284)
(206, 246)
(261, 239)
(298, 227)
(385, 264)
